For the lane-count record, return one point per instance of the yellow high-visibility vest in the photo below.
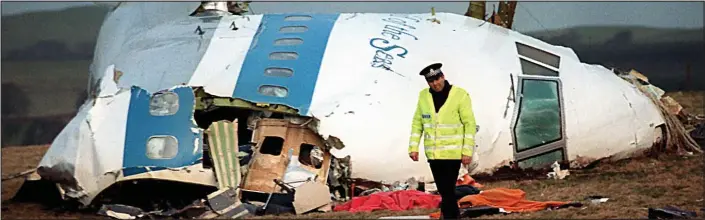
(448, 134)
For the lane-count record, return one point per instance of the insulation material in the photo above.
(223, 143)
(295, 174)
(672, 106)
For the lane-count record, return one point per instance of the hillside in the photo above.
(599, 35)
(51, 35)
(662, 54)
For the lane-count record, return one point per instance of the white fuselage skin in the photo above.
(369, 108)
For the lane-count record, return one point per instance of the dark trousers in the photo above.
(445, 173)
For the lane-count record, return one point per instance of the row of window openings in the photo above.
(280, 91)
(540, 100)
(534, 61)
(164, 147)
(290, 41)
(309, 155)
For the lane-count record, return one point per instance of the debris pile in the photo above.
(677, 138)
(287, 168)
(557, 173)
(290, 168)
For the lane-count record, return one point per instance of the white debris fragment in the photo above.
(597, 199)
(557, 172)
(119, 215)
(108, 87)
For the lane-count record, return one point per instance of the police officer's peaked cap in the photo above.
(432, 70)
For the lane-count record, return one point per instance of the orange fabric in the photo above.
(468, 180)
(435, 215)
(511, 200)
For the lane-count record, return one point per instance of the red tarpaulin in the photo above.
(395, 201)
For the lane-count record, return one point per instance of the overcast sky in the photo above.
(529, 16)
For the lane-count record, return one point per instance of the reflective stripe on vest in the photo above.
(443, 125)
(443, 131)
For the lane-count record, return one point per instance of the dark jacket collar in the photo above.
(445, 91)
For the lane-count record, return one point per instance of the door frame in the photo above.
(560, 144)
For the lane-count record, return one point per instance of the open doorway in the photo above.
(204, 118)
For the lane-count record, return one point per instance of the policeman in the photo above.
(444, 116)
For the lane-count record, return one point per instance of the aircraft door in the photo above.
(538, 123)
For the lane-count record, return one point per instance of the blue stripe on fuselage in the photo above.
(141, 125)
(310, 54)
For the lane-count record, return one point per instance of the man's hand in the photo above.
(466, 160)
(414, 156)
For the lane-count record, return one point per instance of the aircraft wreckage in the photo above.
(256, 102)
